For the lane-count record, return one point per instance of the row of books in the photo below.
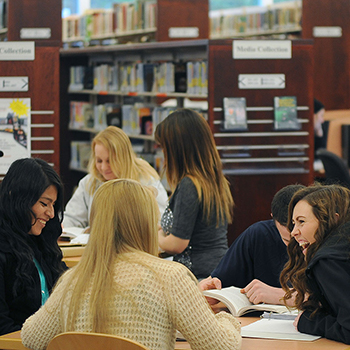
(134, 119)
(166, 77)
(285, 113)
(128, 17)
(255, 20)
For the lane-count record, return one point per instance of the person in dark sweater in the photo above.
(31, 208)
(256, 258)
(318, 269)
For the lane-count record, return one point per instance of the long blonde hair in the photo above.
(124, 218)
(122, 158)
(189, 150)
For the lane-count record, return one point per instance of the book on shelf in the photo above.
(114, 114)
(235, 113)
(238, 304)
(100, 117)
(80, 154)
(274, 328)
(285, 113)
(81, 115)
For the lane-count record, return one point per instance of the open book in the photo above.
(76, 235)
(238, 303)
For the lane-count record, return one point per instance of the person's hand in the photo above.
(258, 292)
(295, 323)
(210, 283)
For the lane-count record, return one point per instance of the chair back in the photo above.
(92, 341)
(335, 168)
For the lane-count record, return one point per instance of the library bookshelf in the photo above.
(258, 161)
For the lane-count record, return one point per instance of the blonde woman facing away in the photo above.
(121, 287)
(112, 157)
(194, 226)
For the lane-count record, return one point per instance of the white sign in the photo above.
(261, 81)
(183, 32)
(17, 51)
(327, 32)
(262, 49)
(15, 141)
(13, 83)
(35, 33)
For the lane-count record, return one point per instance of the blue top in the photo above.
(44, 289)
(258, 253)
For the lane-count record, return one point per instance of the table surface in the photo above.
(12, 341)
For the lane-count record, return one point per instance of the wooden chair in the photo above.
(92, 341)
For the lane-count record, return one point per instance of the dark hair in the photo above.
(24, 183)
(326, 202)
(317, 106)
(189, 150)
(280, 203)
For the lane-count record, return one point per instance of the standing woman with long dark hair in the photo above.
(31, 208)
(194, 226)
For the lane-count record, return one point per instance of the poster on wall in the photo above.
(14, 131)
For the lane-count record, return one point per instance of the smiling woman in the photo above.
(319, 260)
(30, 223)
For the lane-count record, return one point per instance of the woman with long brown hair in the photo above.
(194, 226)
(318, 270)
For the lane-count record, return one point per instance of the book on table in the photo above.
(274, 328)
(238, 303)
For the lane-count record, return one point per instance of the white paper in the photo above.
(275, 329)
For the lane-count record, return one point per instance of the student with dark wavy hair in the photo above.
(194, 226)
(31, 205)
(318, 269)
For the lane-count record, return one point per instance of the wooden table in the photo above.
(12, 341)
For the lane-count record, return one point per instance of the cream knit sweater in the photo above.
(164, 297)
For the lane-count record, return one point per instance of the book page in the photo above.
(231, 297)
(275, 329)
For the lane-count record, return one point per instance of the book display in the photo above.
(137, 21)
(235, 114)
(34, 27)
(285, 113)
(274, 19)
(254, 153)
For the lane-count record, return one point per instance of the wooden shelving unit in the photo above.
(42, 72)
(272, 158)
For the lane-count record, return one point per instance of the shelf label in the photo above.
(14, 84)
(183, 32)
(262, 49)
(17, 51)
(261, 81)
(327, 32)
(35, 33)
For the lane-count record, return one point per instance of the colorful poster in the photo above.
(14, 131)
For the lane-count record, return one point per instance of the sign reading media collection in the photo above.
(17, 51)
(262, 49)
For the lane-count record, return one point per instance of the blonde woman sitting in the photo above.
(112, 157)
(121, 287)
